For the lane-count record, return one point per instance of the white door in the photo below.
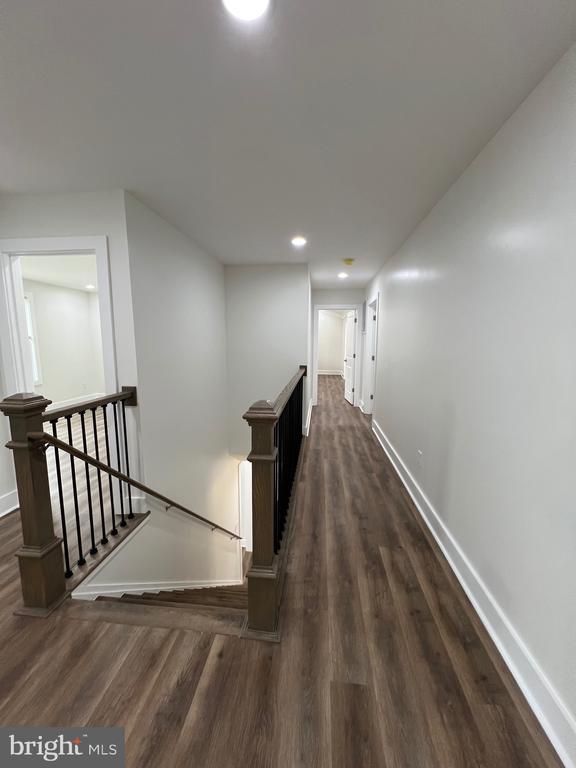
(349, 356)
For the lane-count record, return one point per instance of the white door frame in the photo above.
(14, 363)
(357, 368)
(369, 378)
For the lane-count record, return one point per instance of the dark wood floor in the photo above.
(382, 661)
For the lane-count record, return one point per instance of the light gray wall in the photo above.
(268, 322)
(179, 316)
(342, 296)
(69, 342)
(477, 369)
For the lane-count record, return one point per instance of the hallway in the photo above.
(382, 661)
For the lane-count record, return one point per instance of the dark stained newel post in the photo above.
(40, 557)
(263, 574)
(276, 428)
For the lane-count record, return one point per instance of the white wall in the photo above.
(69, 342)
(268, 321)
(179, 316)
(330, 342)
(477, 369)
(167, 551)
(61, 215)
(341, 296)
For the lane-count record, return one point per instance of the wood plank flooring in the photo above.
(382, 661)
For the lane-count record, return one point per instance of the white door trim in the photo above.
(16, 375)
(369, 377)
(359, 362)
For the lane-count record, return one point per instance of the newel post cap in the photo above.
(262, 410)
(24, 403)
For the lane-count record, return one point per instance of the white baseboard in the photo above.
(111, 590)
(546, 703)
(306, 430)
(330, 373)
(8, 502)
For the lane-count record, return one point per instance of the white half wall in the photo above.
(474, 399)
(268, 335)
(330, 342)
(179, 317)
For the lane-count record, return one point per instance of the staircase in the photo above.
(232, 598)
(229, 598)
(77, 507)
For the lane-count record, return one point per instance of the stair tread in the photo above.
(231, 601)
(166, 601)
(114, 610)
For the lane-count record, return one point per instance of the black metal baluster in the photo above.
(94, 548)
(130, 513)
(81, 558)
(123, 522)
(114, 531)
(68, 571)
(104, 539)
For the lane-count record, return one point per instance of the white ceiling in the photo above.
(343, 120)
(68, 270)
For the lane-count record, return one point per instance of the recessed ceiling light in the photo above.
(246, 10)
(342, 275)
(299, 241)
(90, 287)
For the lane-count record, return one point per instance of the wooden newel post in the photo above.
(40, 557)
(263, 575)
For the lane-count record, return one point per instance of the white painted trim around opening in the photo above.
(544, 700)
(16, 376)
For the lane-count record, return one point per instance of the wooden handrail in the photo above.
(284, 396)
(128, 394)
(45, 438)
(271, 410)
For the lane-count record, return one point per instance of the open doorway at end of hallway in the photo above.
(338, 349)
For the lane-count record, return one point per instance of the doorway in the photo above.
(56, 320)
(336, 349)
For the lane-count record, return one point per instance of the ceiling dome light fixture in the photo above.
(90, 287)
(342, 275)
(246, 10)
(299, 241)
